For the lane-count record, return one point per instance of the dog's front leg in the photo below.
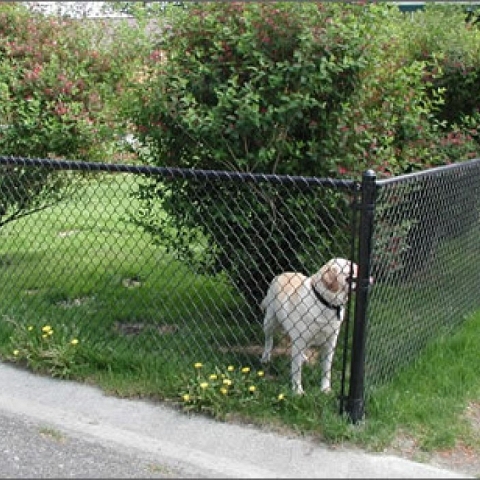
(267, 349)
(298, 358)
(326, 363)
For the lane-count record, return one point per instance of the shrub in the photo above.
(56, 85)
(445, 51)
(60, 81)
(252, 88)
(443, 33)
(290, 88)
(395, 123)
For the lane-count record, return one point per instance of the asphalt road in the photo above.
(59, 429)
(34, 449)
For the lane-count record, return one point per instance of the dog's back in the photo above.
(284, 288)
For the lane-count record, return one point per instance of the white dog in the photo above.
(311, 311)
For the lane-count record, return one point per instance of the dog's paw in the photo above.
(265, 358)
(298, 390)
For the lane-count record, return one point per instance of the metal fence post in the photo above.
(356, 402)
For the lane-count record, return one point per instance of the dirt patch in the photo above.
(473, 416)
(33, 291)
(74, 302)
(283, 348)
(128, 329)
(463, 458)
(134, 282)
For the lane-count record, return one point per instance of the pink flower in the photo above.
(60, 109)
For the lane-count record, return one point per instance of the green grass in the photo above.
(428, 399)
(143, 319)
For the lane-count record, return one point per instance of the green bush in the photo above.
(60, 83)
(396, 122)
(442, 32)
(317, 89)
(252, 88)
(271, 88)
(60, 80)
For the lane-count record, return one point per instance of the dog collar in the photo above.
(337, 308)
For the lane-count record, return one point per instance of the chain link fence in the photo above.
(426, 264)
(163, 267)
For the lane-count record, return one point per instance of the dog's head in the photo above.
(335, 280)
(338, 274)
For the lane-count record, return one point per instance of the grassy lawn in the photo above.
(142, 320)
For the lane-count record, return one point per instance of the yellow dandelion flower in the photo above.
(245, 369)
(29, 328)
(50, 332)
(204, 385)
(44, 335)
(252, 388)
(186, 397)
(281, 397)
(213, 376)
(224, 391)
(198, 365)
(16, 352)
(230, 368)
(74, 341)
(260, 373)
(227, 381)
(46, 328)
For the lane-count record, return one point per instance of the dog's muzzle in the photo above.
(352, 281)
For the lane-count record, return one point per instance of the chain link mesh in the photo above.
(425, 263)
(168, 266)
(162, 266)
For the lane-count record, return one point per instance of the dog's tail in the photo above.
(263, 304)
(268, 297)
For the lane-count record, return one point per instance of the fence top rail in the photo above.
(474, 163)
(175, 172)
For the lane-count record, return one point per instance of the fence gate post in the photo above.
(356, 396)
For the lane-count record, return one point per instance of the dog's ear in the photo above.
(329, 277)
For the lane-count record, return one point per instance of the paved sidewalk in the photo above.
(115, 438)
